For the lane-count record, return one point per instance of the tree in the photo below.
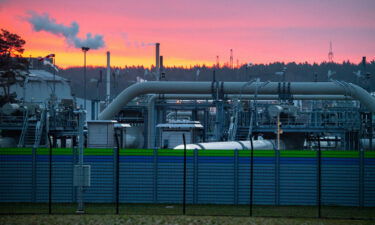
(13, 68)
(11, 44)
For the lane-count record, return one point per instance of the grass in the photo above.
(339, 212)
(164, 219)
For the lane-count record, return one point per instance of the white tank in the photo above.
(134, 137)
(231, 145)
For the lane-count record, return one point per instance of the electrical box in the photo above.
(82, 175)
(101, 133)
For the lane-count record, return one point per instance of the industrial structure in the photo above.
(130, 148)
(288, 114)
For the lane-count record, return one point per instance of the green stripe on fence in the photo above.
(55, 151)
(98, 151)
(340, 154)
(15, 151)
(298, 153)
(370, 154)
(257, 153)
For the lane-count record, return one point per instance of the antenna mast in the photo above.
(330, 53)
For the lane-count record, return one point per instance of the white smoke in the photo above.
(43, 22)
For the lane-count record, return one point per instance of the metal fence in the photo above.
(306, 183)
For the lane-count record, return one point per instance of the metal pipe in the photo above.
(240, 145)
(271, 88)
(157, 63)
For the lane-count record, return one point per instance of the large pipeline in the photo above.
(268, 88)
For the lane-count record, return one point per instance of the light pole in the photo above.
(84, 49)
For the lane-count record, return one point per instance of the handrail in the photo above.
(25, 126)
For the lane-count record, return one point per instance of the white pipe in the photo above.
(232, 145)
(271, 88)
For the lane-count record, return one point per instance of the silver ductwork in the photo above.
(268, 88)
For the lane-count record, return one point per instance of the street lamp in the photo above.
(84, 49)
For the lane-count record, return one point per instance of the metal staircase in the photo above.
(32, 131)
(40, 129)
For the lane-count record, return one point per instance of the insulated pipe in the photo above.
(231, 145)
(270, 88)
(252, 97)
(151, 105)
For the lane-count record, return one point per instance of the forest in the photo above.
(357, 73)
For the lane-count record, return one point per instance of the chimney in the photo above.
(157, 65)
(162, 72)
(108, 80)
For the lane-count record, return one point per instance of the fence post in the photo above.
(251, 175)
(235, 167)
(319, 185)
(361, 177)
(74, 161)
(117, 173)
(50, 176)
(184, 178)
(196, 173)
(33, 171)
(155, 181)
(277, 177)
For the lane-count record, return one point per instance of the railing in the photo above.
(25, 127)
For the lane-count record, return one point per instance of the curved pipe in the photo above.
(269, 88)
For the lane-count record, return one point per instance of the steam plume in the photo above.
(43, 22)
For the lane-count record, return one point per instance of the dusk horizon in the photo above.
(195, 33)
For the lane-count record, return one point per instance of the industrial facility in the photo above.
(219, 124)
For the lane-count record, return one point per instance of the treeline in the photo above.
(124, 77)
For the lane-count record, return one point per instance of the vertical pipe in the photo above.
(84, 79)
(157, 63)
(251, 174)
(184, 177)
(319, 180)
(108, 79)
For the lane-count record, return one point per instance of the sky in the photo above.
(193, 32)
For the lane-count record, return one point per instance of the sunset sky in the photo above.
(196, 31)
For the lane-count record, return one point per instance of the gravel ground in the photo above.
(155, 220)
